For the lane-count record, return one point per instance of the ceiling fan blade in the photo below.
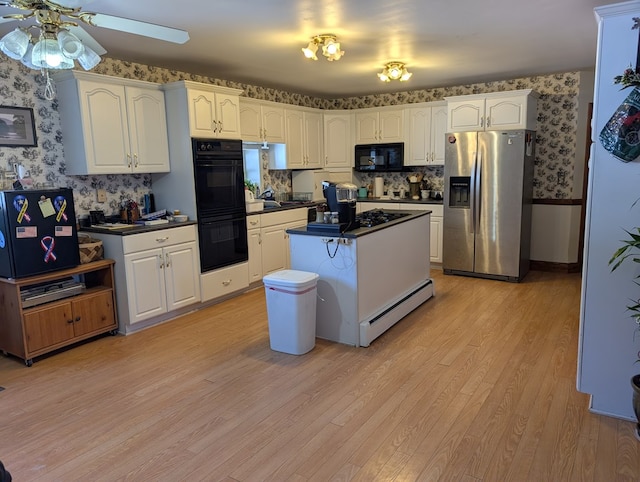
(87, 39)
(140, 28)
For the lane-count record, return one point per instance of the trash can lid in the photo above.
(290, 277)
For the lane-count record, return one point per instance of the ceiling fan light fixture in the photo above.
(47, 54)
(394, 71)
(330, 47)
(15, 43)
(70, 45)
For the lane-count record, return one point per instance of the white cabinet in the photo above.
(338, 140)
(379, 125)
(157, 273)
(255, 248)
(112, 125)
(224, 281)
(269, 241)
(425, 135)
(304, 139)
(262, 121)
(515, 109)
(213, 111)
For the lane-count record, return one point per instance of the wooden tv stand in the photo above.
(30, 332)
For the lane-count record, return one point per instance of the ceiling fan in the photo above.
(60, 40)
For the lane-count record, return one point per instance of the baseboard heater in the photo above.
(376, 326)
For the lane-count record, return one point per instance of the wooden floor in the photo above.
(478, 384)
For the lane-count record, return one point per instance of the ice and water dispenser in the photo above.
(459, 191)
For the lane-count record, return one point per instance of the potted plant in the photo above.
(630, 250)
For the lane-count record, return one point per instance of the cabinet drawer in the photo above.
(158, 239)
(254, 221)
(284, 217)
(215, 284)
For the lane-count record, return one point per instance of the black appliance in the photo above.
(37, 232)
(341, 198)
(220, 204)
(375, 217)
(379, 157)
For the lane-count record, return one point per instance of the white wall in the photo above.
(555, 233)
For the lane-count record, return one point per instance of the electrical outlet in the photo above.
(102, 195)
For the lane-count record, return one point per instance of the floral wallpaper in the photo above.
(20, 86)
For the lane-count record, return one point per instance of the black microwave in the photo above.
(380, 157)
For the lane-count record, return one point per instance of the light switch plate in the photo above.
(102, 195)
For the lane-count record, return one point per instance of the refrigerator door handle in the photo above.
(472, 188)
(476, 191)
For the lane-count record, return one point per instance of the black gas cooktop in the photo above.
(375, 217)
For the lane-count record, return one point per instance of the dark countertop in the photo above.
(404, 201)
(356, 233)
(288, 205)
(134, 228)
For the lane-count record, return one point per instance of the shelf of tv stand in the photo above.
(34, 331)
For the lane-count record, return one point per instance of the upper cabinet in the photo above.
(379, 125)
(112, 125)
(426, 125)
(515, 109)
(262, 121)
(304, 139)
(338, 139)
(213, 111)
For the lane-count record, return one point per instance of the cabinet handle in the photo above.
(260, 238)
(69, 321)
(226, 282)
(253, 223)
(167, 260)
(162, 240)
(128, 160)
(488, 121)
(78, 318)
(219, 127)
(161, 263)
(135, 160)
(481, 121)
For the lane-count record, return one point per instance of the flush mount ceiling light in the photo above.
(330, 47)
(395, 71)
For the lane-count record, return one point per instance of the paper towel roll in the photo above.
(378, 187)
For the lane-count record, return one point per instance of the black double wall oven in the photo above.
(220, 202)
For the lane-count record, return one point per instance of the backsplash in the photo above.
(20, 86)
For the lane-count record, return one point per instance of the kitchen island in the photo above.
(370, 278)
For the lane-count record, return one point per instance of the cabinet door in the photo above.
(202, 113)
(435, 239)
(93, 314)
(338, 145)
(182, 275)
(274, 255)
(273, 123)
(255, 255)
(105, 128)
(251, 122)
(146, 292)
(148, 130)
(48, 326)
(313, 139)
(367, 128)
(502, 114)
(438, 134)
(418, 149)
(294, 120)
(227, 116)
(465, 115)
(391, 125)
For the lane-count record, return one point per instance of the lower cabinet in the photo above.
(269, 241)
(36, 330)
(157, 273)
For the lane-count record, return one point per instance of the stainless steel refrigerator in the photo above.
(487, 203)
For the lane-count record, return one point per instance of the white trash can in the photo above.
(291, 309)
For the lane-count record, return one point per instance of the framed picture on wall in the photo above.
(17, 127)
